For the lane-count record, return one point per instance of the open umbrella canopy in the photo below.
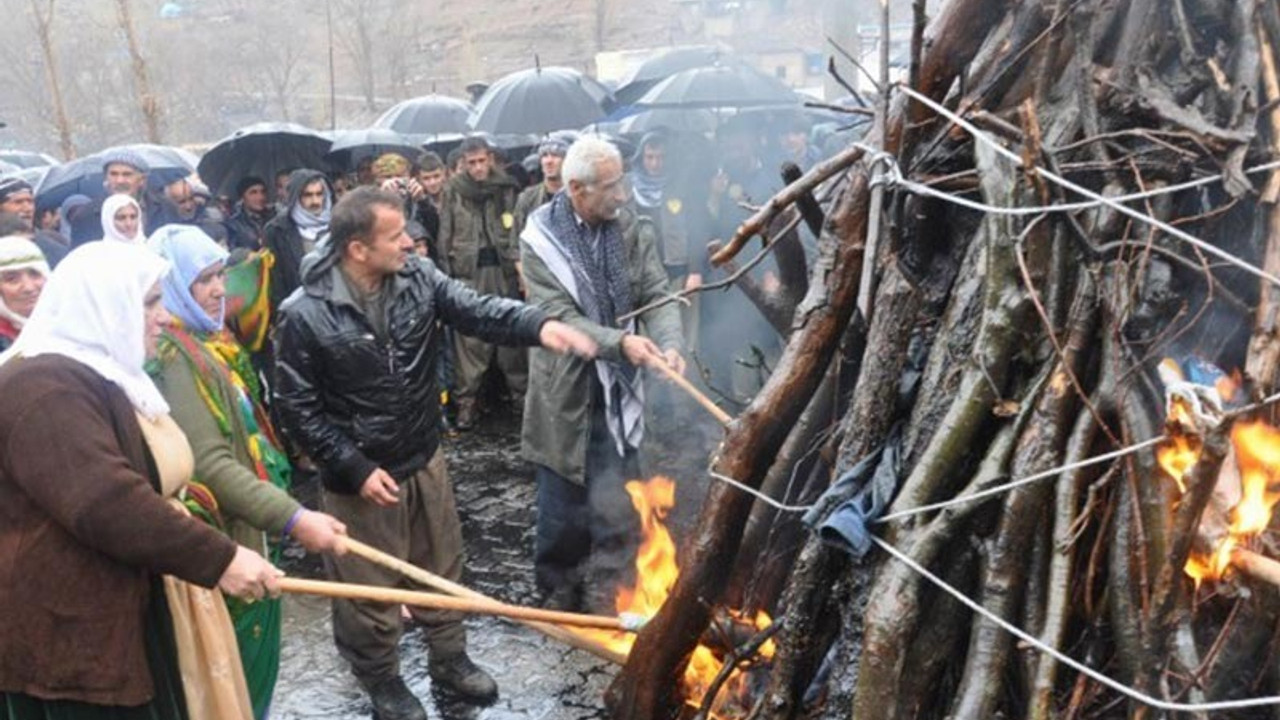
(427, 115)
(351, 146)
(664, 65)
(682, 120)
(262, 150)
(719, 86)
(83, 176)
(539, 101)
(27, 159)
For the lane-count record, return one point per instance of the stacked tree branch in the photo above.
(1003, 345)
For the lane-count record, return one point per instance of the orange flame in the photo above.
(656, 574)
(1256, 447)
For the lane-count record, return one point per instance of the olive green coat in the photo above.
(249, 505)
(558, 406)
(531, 198)
(474, 216)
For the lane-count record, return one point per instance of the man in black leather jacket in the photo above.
(356, 389)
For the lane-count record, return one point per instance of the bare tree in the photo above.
(355, 35)
(43, 13)
(147, 100)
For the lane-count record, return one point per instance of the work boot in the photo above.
(392, 700)
(467, 414)
(458, 674)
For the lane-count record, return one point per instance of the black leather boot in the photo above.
(458, 674)
(392, 699)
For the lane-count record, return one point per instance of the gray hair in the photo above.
(584, 155)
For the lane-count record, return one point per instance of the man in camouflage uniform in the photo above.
(478, 247)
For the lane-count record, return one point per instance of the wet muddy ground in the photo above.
(539, 678)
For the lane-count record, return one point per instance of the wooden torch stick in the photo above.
(431, 580)
(1258, 567)
(683, 383)
(436, 601)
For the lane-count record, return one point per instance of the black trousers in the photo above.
(587, 534)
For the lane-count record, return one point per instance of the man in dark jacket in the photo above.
(478, 247)
(246, 228)
(356, 388)
(295, 230)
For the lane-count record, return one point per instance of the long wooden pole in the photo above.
(683, 383)
(1258, 567)
(431, 580)
(436, 601)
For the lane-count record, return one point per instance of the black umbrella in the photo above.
(427, 115)
(262, 150)
(664, 65)
(683, 120)
(719, 86)
(539, 101)
(351, 146)
(83, 176)
(27, 159)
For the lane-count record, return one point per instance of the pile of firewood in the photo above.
(996, 345)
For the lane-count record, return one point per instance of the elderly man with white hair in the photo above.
(587, 260)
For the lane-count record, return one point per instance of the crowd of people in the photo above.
(150, 433)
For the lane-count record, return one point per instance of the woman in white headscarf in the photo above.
(88, 626)
(122, 220)
(23, 271)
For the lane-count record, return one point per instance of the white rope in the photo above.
(960, 500)
(1068, 660)
(894, 177)
(1109, 202)
(997, 489)
(758, 495)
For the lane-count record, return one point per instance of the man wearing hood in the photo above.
(682, 224)
(297, 227)
(246, 228)
(355, 388)
(477, 247)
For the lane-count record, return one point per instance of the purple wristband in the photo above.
(293, 522)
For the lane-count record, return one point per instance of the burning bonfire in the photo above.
(656, 573)
(1244, 492)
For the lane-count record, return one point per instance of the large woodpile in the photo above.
(999, 345)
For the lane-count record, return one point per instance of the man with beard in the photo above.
(296, 229)
(588, 260)
(476, 246)
(19, 200)
(246, 228)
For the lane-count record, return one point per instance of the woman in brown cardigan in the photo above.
(86, 451)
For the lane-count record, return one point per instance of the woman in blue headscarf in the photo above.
(241, 475)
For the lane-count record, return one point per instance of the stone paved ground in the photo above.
(539, 678)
